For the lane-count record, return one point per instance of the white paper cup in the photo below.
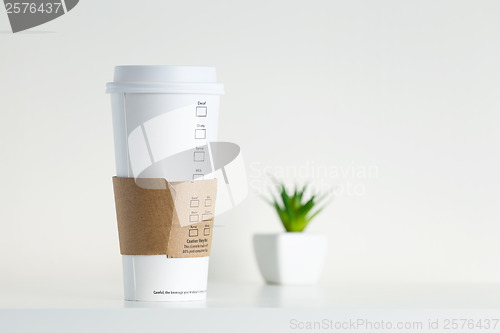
(163, 119)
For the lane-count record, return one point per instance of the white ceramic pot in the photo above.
(290, 258)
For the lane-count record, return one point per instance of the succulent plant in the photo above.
(294, 211)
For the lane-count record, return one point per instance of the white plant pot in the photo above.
(290, 258)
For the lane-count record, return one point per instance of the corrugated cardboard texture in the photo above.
(156, 217)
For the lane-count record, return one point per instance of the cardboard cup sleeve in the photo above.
(156, 217)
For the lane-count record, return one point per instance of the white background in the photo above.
(408, 87)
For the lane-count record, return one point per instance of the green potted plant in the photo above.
(292, 257)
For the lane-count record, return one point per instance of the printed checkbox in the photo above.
(194, 218)
(193, 232)
(206, 217)
(195, 203)
(200, 133)
(206, 232)
(208, 202)
(201, 111)
(199, 156)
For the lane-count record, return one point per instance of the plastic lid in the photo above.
(165, 79)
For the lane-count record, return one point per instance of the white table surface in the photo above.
(259, 295)
(239, 307)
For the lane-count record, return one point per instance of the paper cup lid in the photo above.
(165, 79)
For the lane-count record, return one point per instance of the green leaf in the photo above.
(314, 214)
(295, 213)
(302, 211)
(286, 202)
